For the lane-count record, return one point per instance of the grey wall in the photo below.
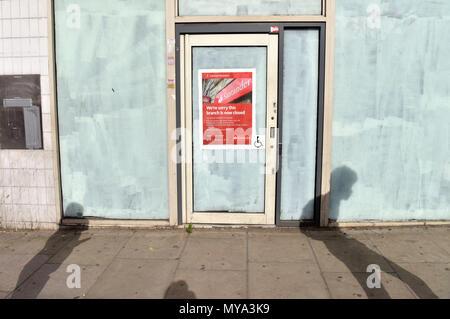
(391, 121)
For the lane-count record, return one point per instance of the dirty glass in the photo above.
(112, 115)
(299, 118)
(248, 7)
(391, 113)
(229, 180)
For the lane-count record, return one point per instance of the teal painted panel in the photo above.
(391, 114)
(300, 90)
(249, 7)
(110, 59)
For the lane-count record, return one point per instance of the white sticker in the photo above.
(170, 46)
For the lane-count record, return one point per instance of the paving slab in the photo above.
(273, 230)
(14, 269)
(214, 253)
(286, 280)
(7, 236)
(50, 281)
(333, 234)
(427, 280)
(134, 278)
(214, 234)
(91, 249)
(278, 247)
(101, 232)
(207, 284)
(42, 242)
(347, 255)
(3, 294)
(403, 246)
(359, 233)
(347, 285)
(441, 237)
(417, 230)
(159, 245)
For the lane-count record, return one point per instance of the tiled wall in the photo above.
(27, 183)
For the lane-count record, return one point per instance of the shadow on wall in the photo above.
(45, 272)
(74, 209)
(354, 254)
(179, 290)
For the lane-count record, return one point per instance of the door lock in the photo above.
(272, 132)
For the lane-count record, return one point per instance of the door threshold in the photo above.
(209, 226)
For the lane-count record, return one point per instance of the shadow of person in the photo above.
(179, 290)
(354, 254)
(52, 247)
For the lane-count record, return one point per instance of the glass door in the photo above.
(229, 90)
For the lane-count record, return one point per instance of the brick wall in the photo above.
(27, 182)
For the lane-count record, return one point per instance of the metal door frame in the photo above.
(236, 28)
(187, 42)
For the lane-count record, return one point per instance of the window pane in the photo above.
(300, 88)
(112, 108)
(248, 7)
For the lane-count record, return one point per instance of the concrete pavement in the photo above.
(227, 263)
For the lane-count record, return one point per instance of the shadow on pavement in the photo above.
(179, 290)
(30, 268)
(353, 253)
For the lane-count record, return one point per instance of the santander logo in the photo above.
(234, 90)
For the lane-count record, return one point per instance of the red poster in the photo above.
(227, 108)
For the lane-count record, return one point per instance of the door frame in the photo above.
(188, 41)
(255, 28)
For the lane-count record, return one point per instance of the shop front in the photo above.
(250, 112)
(238, 108)
(172, 114)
